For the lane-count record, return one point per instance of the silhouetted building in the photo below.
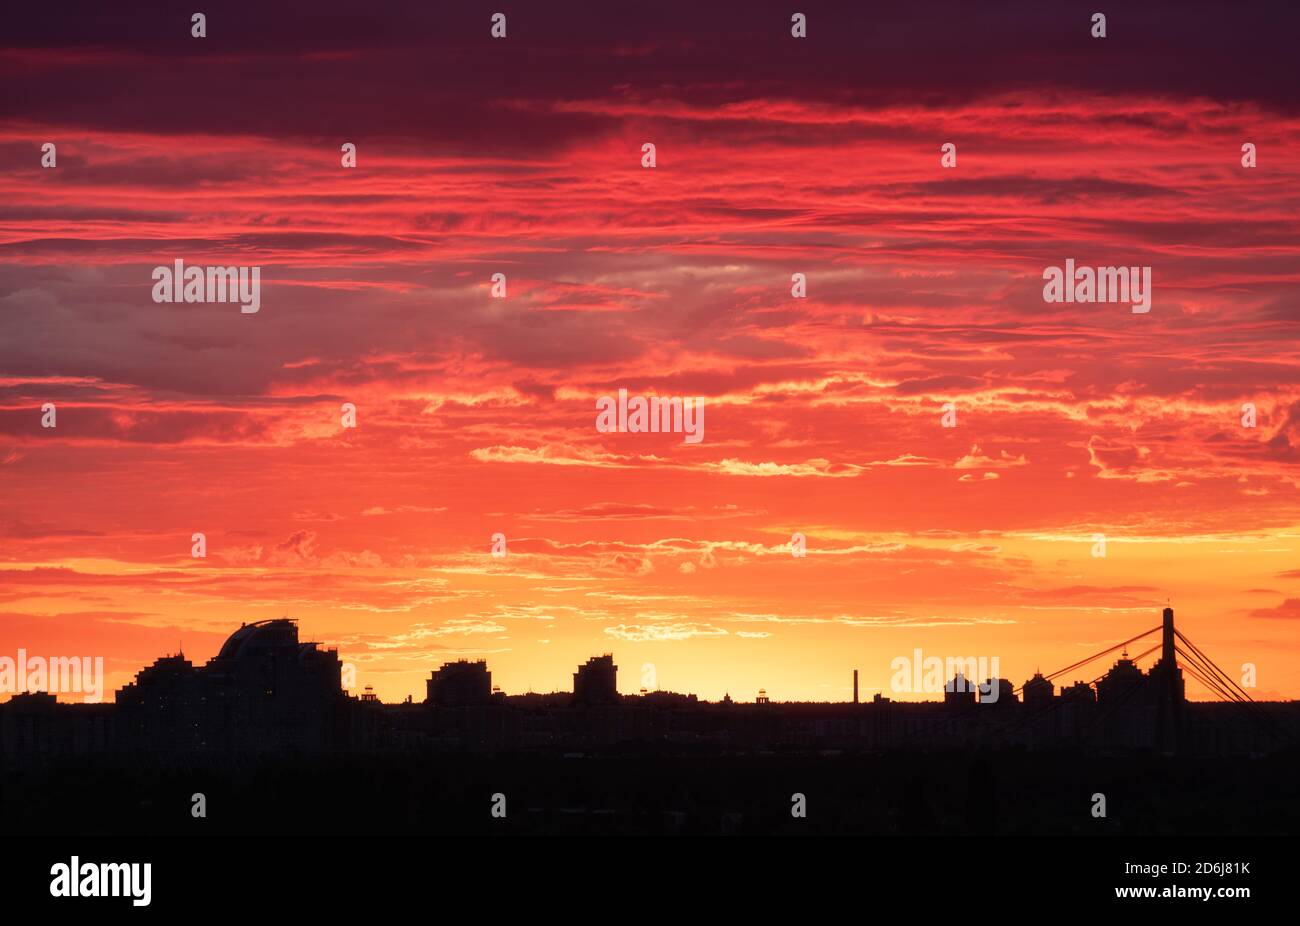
(1121, 683)
(34, 726)
(596, 682)
(264, 691)
(959, 691)
(166, 707)
(1079, 693)
(1005, 692)
(460, 684)
(1038, 691)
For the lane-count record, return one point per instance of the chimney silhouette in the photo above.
(855, 686)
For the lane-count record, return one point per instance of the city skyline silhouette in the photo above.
(1209, 689)
(266, 691)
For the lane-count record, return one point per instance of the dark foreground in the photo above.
(1009, 793)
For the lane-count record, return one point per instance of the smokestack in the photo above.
(855, 686)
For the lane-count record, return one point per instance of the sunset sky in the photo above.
(476, 415)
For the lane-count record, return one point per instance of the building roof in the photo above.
(277, 632)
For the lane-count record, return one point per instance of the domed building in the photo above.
(266, 659)
(264, 691)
